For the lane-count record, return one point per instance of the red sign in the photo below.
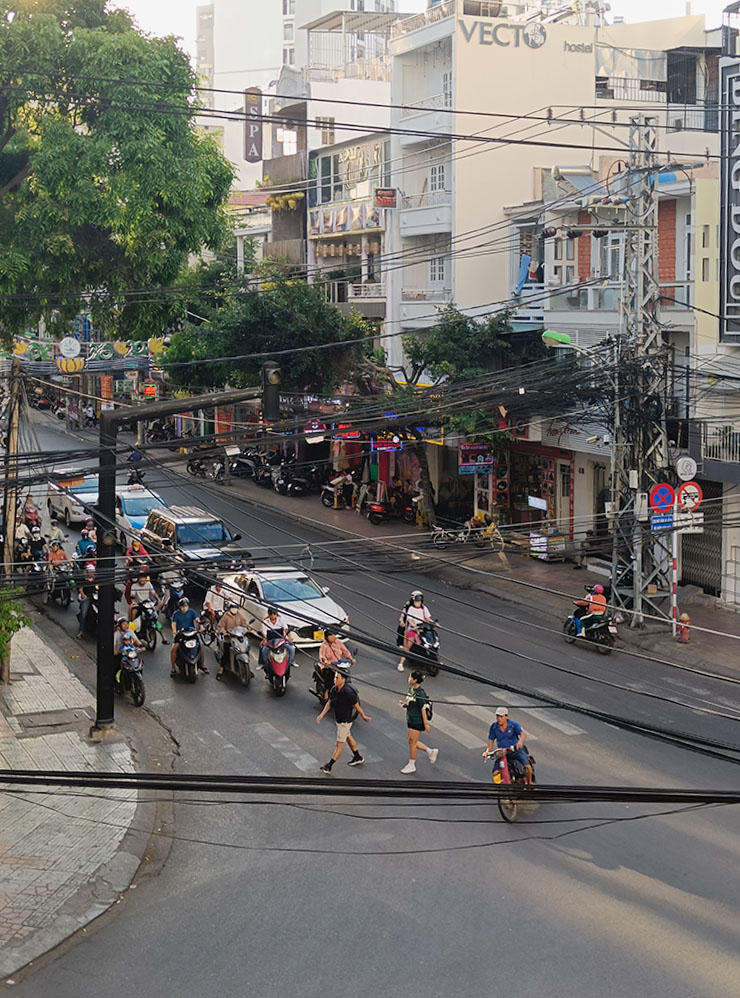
(106, 386)
(385, 197)
(150, 390)
(689, 496)
(348, 434)
(662, 496)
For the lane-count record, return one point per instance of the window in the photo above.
(387, 163)
(681, 71)
(688, 248)
(437, 177)
(705, 268)
(195, 534)
(705, 237)
(570, 249)
(327, 130)
(447, 89)
(288, 56)
(289, 140)
(437, 270)
(288, 8)
(290, 590)
(557, 249)
(288, 31)
(325, 177)
(570, 275)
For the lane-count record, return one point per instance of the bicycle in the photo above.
(470, 530)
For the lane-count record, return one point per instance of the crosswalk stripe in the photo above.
(546, 716)
(456, 732)
(293, 753)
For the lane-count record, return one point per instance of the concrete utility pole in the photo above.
(10, 499)
(641, 560)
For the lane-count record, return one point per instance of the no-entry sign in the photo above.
(662, 496)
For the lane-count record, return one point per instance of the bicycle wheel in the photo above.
(497, 541)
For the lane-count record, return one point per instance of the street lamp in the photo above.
(271, 378)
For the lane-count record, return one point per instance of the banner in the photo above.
(475, 459)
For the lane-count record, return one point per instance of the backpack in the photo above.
(429, 708)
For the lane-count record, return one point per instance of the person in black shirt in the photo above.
(344, 701)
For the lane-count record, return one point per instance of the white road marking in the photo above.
(289, 749)
(544, 715)
(455, 732)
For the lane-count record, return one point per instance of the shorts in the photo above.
(521, 755)
(415, 727)
(343, 730)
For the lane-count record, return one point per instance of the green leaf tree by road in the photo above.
(106, 186)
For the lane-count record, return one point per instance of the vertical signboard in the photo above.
(729, 246)
(253, 125)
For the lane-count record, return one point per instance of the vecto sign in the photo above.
(533, 35)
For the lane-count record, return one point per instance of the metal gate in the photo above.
(701, 554)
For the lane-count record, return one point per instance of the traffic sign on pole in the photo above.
(662, 496)
(689, 496)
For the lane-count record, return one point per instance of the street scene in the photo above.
(368, 613)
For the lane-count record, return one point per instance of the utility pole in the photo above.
(641, 560)
(10, 503)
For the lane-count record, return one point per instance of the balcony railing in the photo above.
(433, 103)
(338, 292)
(593, 299)
(426, 294)
(531, 307)
(721, 443)
(429, 199)
(437, 13)
(366, 291)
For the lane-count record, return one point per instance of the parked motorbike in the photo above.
(61, 586)
(332, 497)
(232, 653)
(288, 483)
(187, 659)
(196, 467)
(130, 675)
(243, 466)
(277, 671)
(149, 625)
(425, 651)
(508, 774)
(263, 476)
(380, 511)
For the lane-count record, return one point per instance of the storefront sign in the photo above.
(475, 459)
(385, 197)
(253, 125)
(533, 35)
(729, 254)
(536, 503)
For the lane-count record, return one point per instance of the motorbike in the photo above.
(242, 466)
(175, 590)
(22, 554)
(188, 654)
(232, 653)
(149, 625)
(31, 516)
(601, 632)
(323, 677)
(263, 476)
(505, 775)
(91, 622)
(130, 678)
(61, 586)
(277, 671)
(287, 483)
(135, 477)
(196, 468)
(37, 577)
(332, 496)
(425, 651)
(91, 421)
(379, 511)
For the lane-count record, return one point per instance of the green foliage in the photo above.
(280, 313)
(458, 347)
(105, 184)
(12, 618)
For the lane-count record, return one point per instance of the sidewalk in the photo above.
(64, 859)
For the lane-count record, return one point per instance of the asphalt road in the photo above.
(331, 898)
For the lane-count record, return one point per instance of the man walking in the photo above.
(343, 698)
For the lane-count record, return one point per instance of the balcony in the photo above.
(721, 443)
(677, 294)
(289, 250)
(531, 306)
(366, 291)
(433, 103)
(420, 306)
(426, 214)
(431, 114)
(367, 299)
(598, 298)
(439, 12)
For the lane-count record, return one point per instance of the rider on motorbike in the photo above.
(590, 610)
(182, 620)
(331, 653)
(136, 554)
(509, 735)
(85, 545)
(413, 612)
(38, 545)
(57, 559)
(232, 617)
(86, 590)
(273, 627)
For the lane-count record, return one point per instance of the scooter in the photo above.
(506, 775)
(130, 675)
(91, 621)
(135, 477)
(149, 625)
(332, 496)
(378, 512)
(232, 653)
(37, 577)
(61, 586)
(323, 677)
(175, 590)
(426, 650)
(188, 654)
(196, 468)
(602, 632)
(287, 483)
(277, 671)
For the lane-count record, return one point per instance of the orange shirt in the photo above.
(597, 603)
(57, 557)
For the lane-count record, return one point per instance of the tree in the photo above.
(106, 186)
(281, 312)
(457, 348)
(12, 619)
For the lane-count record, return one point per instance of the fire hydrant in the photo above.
(684, 623)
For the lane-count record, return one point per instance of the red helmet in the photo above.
(598, 588)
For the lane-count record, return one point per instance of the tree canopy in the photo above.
(457, 348)
(274, 313)
(106, 186)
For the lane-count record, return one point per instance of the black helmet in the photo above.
(183, 601)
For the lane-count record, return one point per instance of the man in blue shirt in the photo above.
(182, 620)
(509, 735)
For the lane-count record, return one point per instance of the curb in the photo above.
(141, 853)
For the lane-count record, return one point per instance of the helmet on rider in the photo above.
(598, 589)
(232, 606)
(36, 531)
(417, 596)
(56, 543)
(183, 601)
(84, 533)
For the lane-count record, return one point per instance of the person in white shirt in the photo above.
(413, 613)
(274, 626)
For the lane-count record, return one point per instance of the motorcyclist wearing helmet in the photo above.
(38, 545)
(137, 555)
(273, 627)
(232, 617)
(57, 559)
(85, 545)
(590, 610)
(182, 620)
(414, 612)
(55, 531)
(85, 591)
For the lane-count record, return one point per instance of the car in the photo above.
(72, 496)
(183, 536)
(301, 601)
(134, 503)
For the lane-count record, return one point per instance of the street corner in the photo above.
(65, 856)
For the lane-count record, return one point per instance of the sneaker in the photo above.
(433, 753)
(356, 761)
(401, 667)
(326, 768)
(410, 767)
